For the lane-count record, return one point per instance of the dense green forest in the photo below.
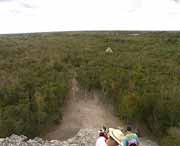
(140, 78)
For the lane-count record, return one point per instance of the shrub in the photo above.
(172, 138)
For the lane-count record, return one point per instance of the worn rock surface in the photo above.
(83, 138)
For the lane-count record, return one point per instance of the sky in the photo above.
(22, 16)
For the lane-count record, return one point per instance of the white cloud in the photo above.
(61, 15)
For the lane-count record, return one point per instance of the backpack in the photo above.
(132, 142)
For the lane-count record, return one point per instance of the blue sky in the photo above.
(21, 16)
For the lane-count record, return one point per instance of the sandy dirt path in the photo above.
(83, 109)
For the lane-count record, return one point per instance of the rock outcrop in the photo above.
(85, 137)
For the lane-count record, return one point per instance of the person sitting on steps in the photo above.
(131, 139)
(113, 137)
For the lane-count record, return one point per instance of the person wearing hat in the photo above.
(131, 139)
(115, 138)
